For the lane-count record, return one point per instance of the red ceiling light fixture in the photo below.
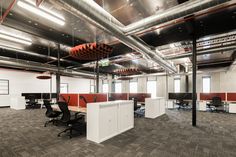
(128, 71)
(44, 76)
(91, 51)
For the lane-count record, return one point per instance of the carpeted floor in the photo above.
(22, 134)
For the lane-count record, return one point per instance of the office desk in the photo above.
(108, 119)
(71, 108)
(232, 107)
(154, 107)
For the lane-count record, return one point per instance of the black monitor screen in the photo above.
(54, 95)
(31, 95)
(180, 96)
(46, 95)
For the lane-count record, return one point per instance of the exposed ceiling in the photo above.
(216, 36)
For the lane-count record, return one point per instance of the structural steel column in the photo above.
(194, 62)
(186, 83)
(58, 78)
(113, 84)
(97, 77)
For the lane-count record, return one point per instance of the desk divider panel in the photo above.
(231, 96)
(139, 96)
(118, 96)
(90, 98)
(74, 99)
(208, 96)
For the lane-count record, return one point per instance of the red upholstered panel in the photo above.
(231, 96)
(74, 99)
(208, 96)
(91, 97)
(118, 96)
(139, 96)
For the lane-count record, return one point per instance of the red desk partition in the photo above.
(74, 99)
(118, 96)
(208, 96)
(139, 96)
(90, 98)
(231, 96)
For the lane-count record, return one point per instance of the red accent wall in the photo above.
(90, 98)
(74, 99)
(118, 96)
(231, 96)
(208, 96)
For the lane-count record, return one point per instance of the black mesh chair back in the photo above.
(216, 101)
(65, 111)
(135, 104)
(48, 107)
(31, 98)
(83, 98)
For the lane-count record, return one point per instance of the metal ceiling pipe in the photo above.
(210, 51)
(29, 65)
(37, 55)
(174, 13)
(93, 13)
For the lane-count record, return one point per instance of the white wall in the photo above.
(220, 82)
(26, 82)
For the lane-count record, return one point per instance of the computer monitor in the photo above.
(180, 96)
(30, 95)
(46, 95)
(54, 95)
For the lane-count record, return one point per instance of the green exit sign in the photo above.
(104, 62)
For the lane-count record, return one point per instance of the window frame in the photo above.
(67, 87)
(204, 77)
(152, 80)
(177, 79)
(133, 81)
(103, 87)
(8, 86)
(120, 87)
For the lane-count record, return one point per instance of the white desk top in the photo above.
(156, 98)
(110, 102)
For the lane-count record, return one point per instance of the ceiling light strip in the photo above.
(42, 12)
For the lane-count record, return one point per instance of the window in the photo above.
(118, 87)
(64, 88)
(92, 86)
(152, 86)
(105, 87)
(133, 86)
(177, 85)
(92, 89)
(4, 87)
(206, 84)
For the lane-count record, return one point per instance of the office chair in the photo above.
(138, 112)
(76, 124)
(216, 104)
(32, 103)
(83, 98)
(181, 104)
(52, 115)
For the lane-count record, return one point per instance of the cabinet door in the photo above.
(162, 106)
(126, 116)
(108, 121)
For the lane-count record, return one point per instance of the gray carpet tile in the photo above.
(22, 134)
